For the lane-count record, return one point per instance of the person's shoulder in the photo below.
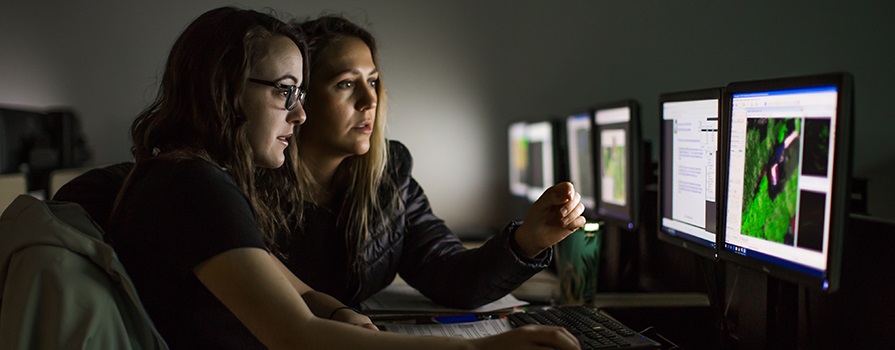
(198, 169)
(193, 180)
(107, 179)
(400, 158)
(398, 149)
(195, 173)
(116, 172)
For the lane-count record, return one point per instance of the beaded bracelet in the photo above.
(331, 314)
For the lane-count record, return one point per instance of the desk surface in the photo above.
(541, 288)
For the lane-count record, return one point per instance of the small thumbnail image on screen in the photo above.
(811, 220)
(612, 166)
(817, 147)
(520, 160)
(536, 158)
(770, 182)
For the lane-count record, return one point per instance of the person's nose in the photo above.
(367, 98)
(297, 116)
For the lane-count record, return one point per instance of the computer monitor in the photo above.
(581, 160)
(64, 128)
(518, 159)
(20, 132)
(617, 150)
(787, 170)
(688, 151)
(546, 156)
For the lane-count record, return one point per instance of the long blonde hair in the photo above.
(368, 193)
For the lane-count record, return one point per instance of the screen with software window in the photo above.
(581, 161)
(616, 143)
(786, 159)
(687, 168)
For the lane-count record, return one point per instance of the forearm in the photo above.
(322, 334)
(471, 278)
(322, 305)
(434, 260)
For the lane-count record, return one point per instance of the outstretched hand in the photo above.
(555, 215)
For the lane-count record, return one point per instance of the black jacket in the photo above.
(418, 245)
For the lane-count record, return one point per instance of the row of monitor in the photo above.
(755, 173)
(546, 152)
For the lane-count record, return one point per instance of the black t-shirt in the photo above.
(176, 215)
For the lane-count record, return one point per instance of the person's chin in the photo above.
(362, 149)
(271, 163)
(357, 145)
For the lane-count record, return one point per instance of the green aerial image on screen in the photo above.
(612, 165)
(770, 181)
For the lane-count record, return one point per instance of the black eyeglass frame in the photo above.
(296, 93)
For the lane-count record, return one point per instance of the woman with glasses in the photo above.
(194, 222)
(366, 219)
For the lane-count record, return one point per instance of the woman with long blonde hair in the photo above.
(366, 219)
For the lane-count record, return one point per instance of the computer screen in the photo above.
(540, 157)
(581, 161)
(688, 139)
(20, 131)
(787, 168)
(617, 149)
(518, 159)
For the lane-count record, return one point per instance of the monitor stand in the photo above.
(763, 312)
(685, 312)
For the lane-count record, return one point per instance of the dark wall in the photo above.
(458, 72)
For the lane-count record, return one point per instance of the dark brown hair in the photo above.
(197, 112)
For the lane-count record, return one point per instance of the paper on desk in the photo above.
(404, 298)
(469, 330)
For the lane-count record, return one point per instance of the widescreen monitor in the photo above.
(787, 169)
(688, 153)
(581, 160)
(518, 159)
(617, 149)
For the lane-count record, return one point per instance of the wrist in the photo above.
(518, 240)
(341, 308)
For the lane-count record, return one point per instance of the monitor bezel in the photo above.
(633, 140)
(842, 165)
(664, 235)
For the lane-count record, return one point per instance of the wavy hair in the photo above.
(198, 114)
(368, 193)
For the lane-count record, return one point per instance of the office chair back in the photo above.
(62, 287)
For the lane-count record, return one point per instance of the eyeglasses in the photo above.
(294, 96)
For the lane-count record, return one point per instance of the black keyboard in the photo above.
(593, 329)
